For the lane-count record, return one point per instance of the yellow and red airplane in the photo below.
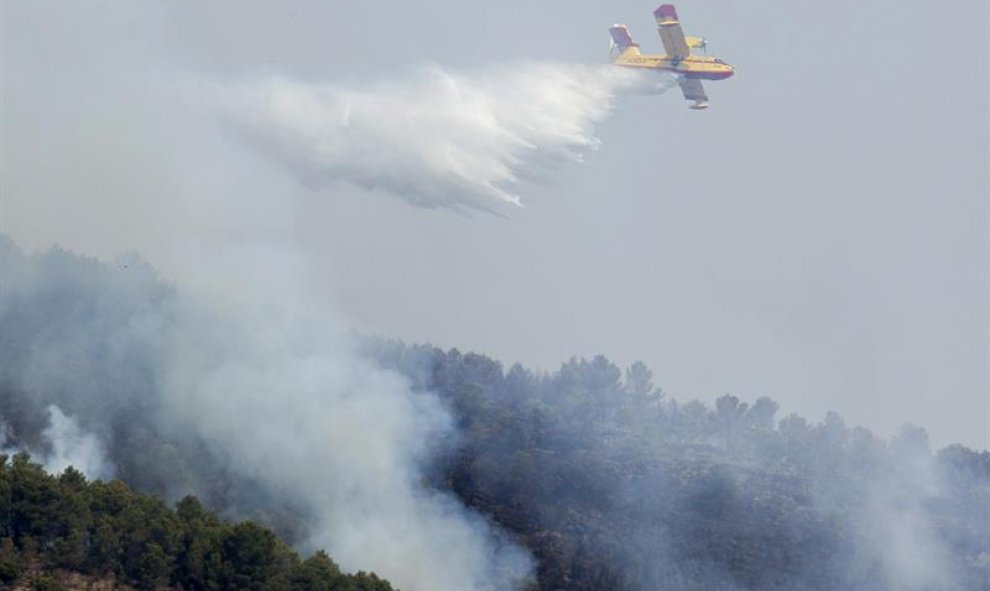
(690, 69)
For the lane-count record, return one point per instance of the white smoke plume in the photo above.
(271, 381)
(895, 531)
(65, 444)
(248, 362)
(70, 446)
(435, 138)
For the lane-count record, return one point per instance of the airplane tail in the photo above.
(622, 41)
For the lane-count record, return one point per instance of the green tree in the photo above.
(254, 559)
(200, 563)
(105, 551)
(369, 582)
(11, 565)
(155, 567)
(317, 573)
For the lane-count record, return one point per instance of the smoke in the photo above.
(64, 444)
(435, 138)
(70, 446)
(269, 380)
(895, 533)
(262, 387)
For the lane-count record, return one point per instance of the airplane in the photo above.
(690, 69)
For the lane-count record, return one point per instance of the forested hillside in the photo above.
(53, 525)
(607, 482)
(613, 486)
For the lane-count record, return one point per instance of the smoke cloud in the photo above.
(435, 138)
(893, 527)
(273, 385)
(70, 446)
(269, 381)
(261, 388)
(64, 444)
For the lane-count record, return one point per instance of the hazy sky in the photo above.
(819, 236)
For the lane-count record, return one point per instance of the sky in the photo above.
(819, 235)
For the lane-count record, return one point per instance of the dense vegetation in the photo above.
(103, 528)
(614, 487)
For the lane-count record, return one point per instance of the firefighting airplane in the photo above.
(690, 69)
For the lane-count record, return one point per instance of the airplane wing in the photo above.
(671, 34)
(694, 91)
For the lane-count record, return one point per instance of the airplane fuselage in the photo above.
(691, 69)
(695, 66)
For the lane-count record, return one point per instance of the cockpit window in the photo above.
(719, 61)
